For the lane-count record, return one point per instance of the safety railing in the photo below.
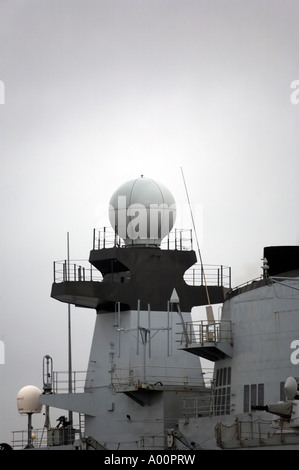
(208, 274)
(61, 381)
(177, 239)
(245, 284)
(156, 376)
(106, 237)
(214, 404)
(246, 433)
(202, 331)
(154, 442)
(65, 270)
(44, 438)
(20, 438)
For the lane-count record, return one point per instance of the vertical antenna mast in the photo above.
(194, 228)
(69, 332)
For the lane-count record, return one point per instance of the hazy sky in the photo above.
(98, 92)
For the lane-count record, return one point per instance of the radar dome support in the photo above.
(28, 403)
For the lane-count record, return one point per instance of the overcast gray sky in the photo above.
(98, 92)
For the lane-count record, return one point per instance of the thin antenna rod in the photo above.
(69, 333)
(194, 228)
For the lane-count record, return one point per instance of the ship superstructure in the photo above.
(145, 387)
(137, 374)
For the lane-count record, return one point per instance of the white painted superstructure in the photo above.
(145, 387)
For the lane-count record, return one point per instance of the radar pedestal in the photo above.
(28, 403)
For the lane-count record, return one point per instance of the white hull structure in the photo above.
(264, 319)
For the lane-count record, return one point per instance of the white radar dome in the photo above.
(142, 212)
(28, 400)
(290, 388)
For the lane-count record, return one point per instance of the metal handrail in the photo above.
(61, 381)
(64, 271)
(202, 331)
(155, 375)
(209, 405)
(177, 239)
(40, 437)
(212, 275)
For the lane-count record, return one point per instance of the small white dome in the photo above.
(142, 212)
(28, 400)
(290, 388)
